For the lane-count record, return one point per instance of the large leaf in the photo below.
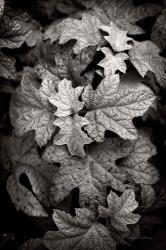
(120, 210)
(23, 161)
(78, 233)
(113, 109)
(30, 108)
(92, 175)
(145, 57)
(85, 32)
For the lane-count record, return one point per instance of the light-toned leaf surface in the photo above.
(66, 100)
(113, 109)
(145, 57)
(78, 233)
(120, 210)
(85, 32)
(30, 108)
(117, 38)
(71, 134)
(111, 63)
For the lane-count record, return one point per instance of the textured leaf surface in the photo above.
(92, 175)
(66, 100)
(120, 210)
(85, 31)
(78, 233)
(7, 66)
(33, 244)
(30, 108)
(145, 57)
(136, 163)
(113, 109)
(111, 63)
(147, 195)
(24, 160)
(12, 33)
(71, 134)
(117, 38)
(158, 34)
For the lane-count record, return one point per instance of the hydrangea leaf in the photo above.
(113, 109)
(24, 160)
(147, 196)
(120, 210)
(92, 175)
(158, 35)
(111, 63)
(66, 100)
(85, 32)
(124, 14)
(116, 37)
(30, 108)
(136, 163)
(78, 233)
(71, 134)
(145, 57)
(7, 66)
(13, 33)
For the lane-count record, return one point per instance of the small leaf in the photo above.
(66, 100)
(117, 38)
(79, 232)
(71, 134)
(111, 63)
(120, 210)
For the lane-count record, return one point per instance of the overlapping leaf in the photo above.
(145, 57)
(78, 233)
(92, 175)
(120, 210)
(30, 108)
(113, 109)
(112, 63)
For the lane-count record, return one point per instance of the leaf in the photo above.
(124, 14)
(145, 57)
(120, 210)
(12, 33)
(24, 160)
(84, 31)
(7, 66)
(117, 38)
(30, 108)
(2, 5)
(147, 195)
(92, 175)
(158, 35)
(71, 134)
(113, 109)
(66, 100)
(111, 63)
(136, 163)
(78, 233)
